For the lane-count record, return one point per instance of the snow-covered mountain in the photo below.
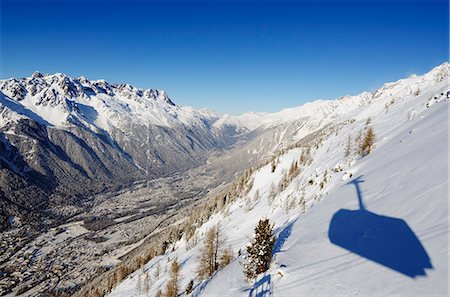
(69, 137)
(276, 131)
(60, 100)
(345, 224)
(63, 140)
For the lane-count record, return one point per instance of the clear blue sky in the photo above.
(231, 56)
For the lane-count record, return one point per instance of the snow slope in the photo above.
(373, 226)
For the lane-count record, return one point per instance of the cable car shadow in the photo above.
(262, 288)
(385, 240)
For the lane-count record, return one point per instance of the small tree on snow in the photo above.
(172, 287)
(158, 271)
(367, 142)
(259, 251)
(348, 148)
(138, 284)
(189, 287)
(303, 202)
(256, 196)
(147, 284)
(272, 193)
(213, 256)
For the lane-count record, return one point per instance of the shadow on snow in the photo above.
(385, 240)
(282, 237)
(262, 288)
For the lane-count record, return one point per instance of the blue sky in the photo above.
(232, 56)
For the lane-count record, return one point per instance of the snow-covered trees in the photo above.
(173, 283)
(259, 250)
(213, 256)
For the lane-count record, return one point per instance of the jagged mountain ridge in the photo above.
(58, 133)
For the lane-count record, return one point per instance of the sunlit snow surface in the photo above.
(402, 184)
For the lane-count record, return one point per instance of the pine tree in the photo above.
(212, 256)
(303, 202)
(358, 141)
(225, 258)
(274, 166)
(272, 193)
(367, 143)
(259, 251)
(348, 148)
(207, 262)
(293, 169)
(189, 287)
(173, 283)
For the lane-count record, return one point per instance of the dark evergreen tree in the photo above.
(274, 166)
(259, 251)
(189, 287)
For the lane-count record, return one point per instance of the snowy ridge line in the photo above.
(332, 109)
(99, 105)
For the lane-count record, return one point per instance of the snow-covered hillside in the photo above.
(329, 110)
(345, 225)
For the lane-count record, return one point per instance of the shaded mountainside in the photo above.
(63, 139)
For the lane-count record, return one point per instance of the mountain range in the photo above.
(58, 133)
(71, 147)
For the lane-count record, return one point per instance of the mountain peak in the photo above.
(37, 74)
